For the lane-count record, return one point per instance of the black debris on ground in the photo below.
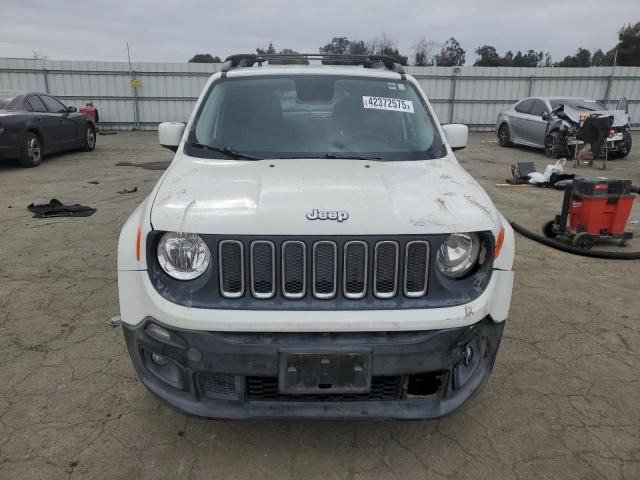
(146, 166)
(55, 208)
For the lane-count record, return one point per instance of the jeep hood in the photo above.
(272, 197)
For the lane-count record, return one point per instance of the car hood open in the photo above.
(620, 117)
(273, 197)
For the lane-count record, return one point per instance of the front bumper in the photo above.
(414, 375)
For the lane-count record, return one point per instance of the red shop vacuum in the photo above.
(594, 210)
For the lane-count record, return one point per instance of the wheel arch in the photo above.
(503, 121)
(37, 132)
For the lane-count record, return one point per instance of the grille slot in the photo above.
(416, 268)
(385, 277)
(355, 269)
(325, 269)
(294, 269)
(263, 269)
(231, 259)
(218, 385)
(266, 389)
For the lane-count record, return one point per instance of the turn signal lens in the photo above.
(499, 243)
(158, 333)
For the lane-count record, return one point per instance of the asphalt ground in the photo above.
(563, 401)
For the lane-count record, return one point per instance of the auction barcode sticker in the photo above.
(384, 103)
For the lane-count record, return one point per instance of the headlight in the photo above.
(458, 254)
(184, 256)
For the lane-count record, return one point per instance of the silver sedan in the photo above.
(525, 123)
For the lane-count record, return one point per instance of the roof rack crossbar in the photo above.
(367, 61)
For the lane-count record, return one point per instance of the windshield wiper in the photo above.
(337, 156)
(229, 152)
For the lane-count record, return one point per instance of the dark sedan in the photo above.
(33, 125)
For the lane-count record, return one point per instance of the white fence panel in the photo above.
(471, 95)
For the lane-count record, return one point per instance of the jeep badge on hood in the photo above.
(316, 214)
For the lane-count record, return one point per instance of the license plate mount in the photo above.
(324, 372)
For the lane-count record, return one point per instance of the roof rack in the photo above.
(367, 61)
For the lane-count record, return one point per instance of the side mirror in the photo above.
(457, 135)
(72, 109)
(545, 116)
(170, 134)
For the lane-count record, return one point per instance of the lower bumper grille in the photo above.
(218, 385)
(266, 389)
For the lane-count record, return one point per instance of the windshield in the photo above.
(582, 104)
(324, 116)
(5, 99)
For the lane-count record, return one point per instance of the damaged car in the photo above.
(314, 250)
(553, 123)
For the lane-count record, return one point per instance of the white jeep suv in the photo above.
(314, 249)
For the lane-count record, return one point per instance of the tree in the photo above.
(292, 60)
(338, 46)
(204, 58)
(487, 57)
(425, 52)
(386, 46)
(582, 58)
(358, 47)
(451, 54)
(507, 60)
(529, 59)
(628, 47)
(268, 51)
(601, 59)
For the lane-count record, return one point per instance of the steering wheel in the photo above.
(366, 135)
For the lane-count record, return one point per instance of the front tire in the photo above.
(504, 136)
(553, 147)
(89, 142)
(31, 152)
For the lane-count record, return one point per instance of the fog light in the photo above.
(159, 359)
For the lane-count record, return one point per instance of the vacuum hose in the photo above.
(565, 247)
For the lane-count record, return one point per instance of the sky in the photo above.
(172, 31)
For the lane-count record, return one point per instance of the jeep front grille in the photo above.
(416, 268)
(355, 269)
(263, 269)
(231, 259)
(385, 281)
(323, 269)
(294, 269)
(325, 265)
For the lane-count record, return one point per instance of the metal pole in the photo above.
(610, 80)
(136, 110)
(452, 100)
(134, 96)
(531, 80)
(46, 80)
